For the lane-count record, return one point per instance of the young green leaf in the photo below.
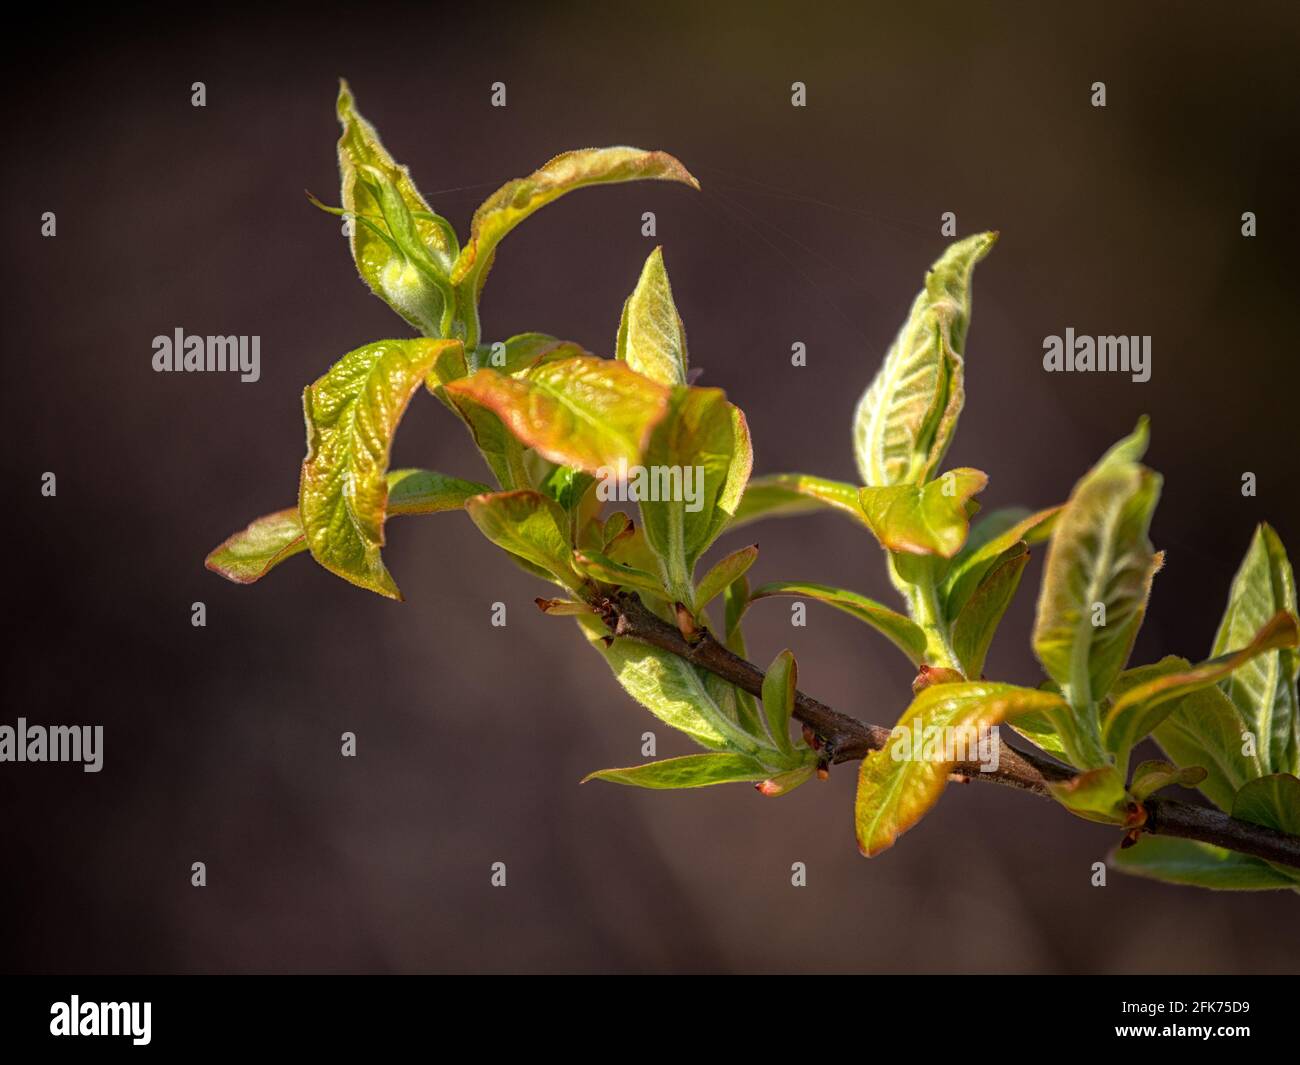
(723, 573)
(1097, 795)
(1273, 801)
(905, 419)
(899, 784)
(529, 525)
(1043, 731)
(930, 519)
(779, 685)
(1137, 711)
(249, 555)
(351, 414)
(782, 495)
(608, 571)
(426, 492)
(1205, 728)
(670, 688)
(1265, 690)
(704, 441)
(688, 771)
(988, 542)
(592, 414)
(403, 251)
(1185, 861)
(651, 338)
(518, 199)
(1150, 777)
(1095, 584)
(974, 626)
(902, 632)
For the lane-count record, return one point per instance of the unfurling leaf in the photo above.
(782, 495)
(1150, 777)
(351, 414)
(609, 571)
(906, 418)
(518, 199)
(1186, 861)
(1098, 795)
(975, 624)
(897, 785)
(724, 572)
(651, 338)
(1137, 711)
(592, 414)
(930, 519)
(1095, 587)
(779, 685)
(688, 771)
(403, 251)
(249, 555)
(529, 526)
(702, 445)
(1264, 691)
(901, 631)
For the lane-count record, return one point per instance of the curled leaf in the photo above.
(518, 199)
(1150, 777)
(651, 338)
(351, 414)
(905, 419)
(899, 784)
(249, 555)
(403, 251)
(929, 519)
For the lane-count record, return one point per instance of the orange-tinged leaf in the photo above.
(249, 555)
(351, 414)
(518, 199)
(899, 784)
(588, 413)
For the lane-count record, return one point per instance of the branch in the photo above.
(846, 739)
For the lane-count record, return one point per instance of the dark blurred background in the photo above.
(814, 225)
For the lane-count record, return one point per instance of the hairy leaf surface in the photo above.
(906, 418)
(651, 338)
(895, 792)
(351, 414)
